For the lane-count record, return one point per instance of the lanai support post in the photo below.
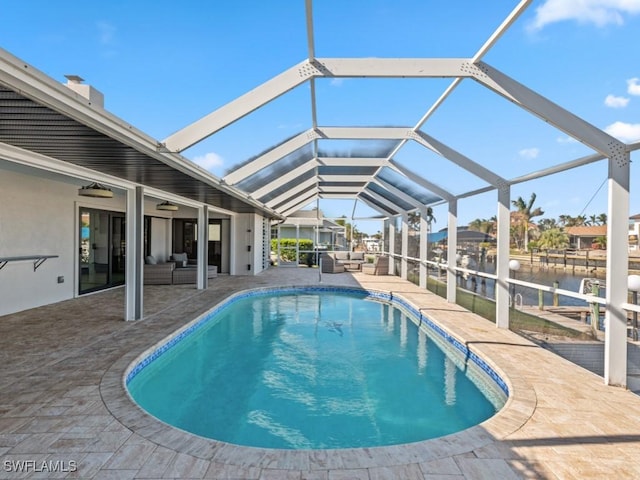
(615, 319)
(424, 246)
(392, 245)
(502, 257)
(133, 303)
(452, 246)
(404, 263)
(203, 247)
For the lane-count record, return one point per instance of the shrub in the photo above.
(288, 248)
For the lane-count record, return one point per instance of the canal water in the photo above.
(544, 276)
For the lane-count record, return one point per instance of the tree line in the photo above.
(546, 233)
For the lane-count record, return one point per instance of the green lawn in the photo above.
(486, 308)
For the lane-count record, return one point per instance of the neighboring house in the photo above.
(303, 224)
(466, 238)
(583, 237)
(372, 244)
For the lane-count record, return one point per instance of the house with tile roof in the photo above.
(582, 237)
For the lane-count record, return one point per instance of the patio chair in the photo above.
(379, 267)
(330, 264)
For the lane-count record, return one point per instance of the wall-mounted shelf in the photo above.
(37, 260)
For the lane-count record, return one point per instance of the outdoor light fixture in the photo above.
(95, 190)
(167, 206)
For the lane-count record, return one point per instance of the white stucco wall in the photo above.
(38, 216)
(247, 231)
(160, 238)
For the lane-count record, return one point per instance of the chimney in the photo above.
(96, 98)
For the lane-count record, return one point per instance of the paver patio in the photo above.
(61, 399)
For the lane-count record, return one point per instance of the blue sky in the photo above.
(162, 65)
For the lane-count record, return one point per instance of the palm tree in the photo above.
(602, 219)
(553, 238)
(483, 225)
(525, 212)
(547, 223)
(564, 219)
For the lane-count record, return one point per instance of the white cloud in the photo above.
(596, 12)
(336, 82)
(106, 32)
(566, 140)
(616, 102)
(529, 153)
(209, 161)
(633, 86)
(625, 132)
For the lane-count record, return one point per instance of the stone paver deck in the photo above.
(62, 400)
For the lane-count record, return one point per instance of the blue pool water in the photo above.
(312, 370)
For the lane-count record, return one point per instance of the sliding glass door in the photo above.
(102, 249)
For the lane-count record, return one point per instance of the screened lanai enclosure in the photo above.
(398, 170)
(380, 122)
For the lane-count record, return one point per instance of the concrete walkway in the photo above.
(63, 405)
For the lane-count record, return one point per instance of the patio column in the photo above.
(404, 248)
(452, 246)
(133, 303)
(203, 247)
(424, 246)
(502, 258)
(615, 319)
(392, 245)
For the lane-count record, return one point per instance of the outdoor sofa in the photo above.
(178, 270)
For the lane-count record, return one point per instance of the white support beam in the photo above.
(398, 193)
(377, 208)
(548, 111)
(391, 241)
(404, 248)
(344, 178)
(287, 177)
(270, 157)
(238, 108)
(615, 320)
(502, 257)
(392, 67)
(342, 195)
(297, 203)
(432, 187)
(384, 201)
(459, 159)
(309, 17)
(203, 248)
(134, 227)
(301, 187)
(364, 133)
(352, 161)
(563, 167)
(452, 246)
(338, 189)
(424, 248)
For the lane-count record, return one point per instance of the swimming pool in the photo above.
(315, 368)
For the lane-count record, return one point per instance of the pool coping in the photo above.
(519, 407)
